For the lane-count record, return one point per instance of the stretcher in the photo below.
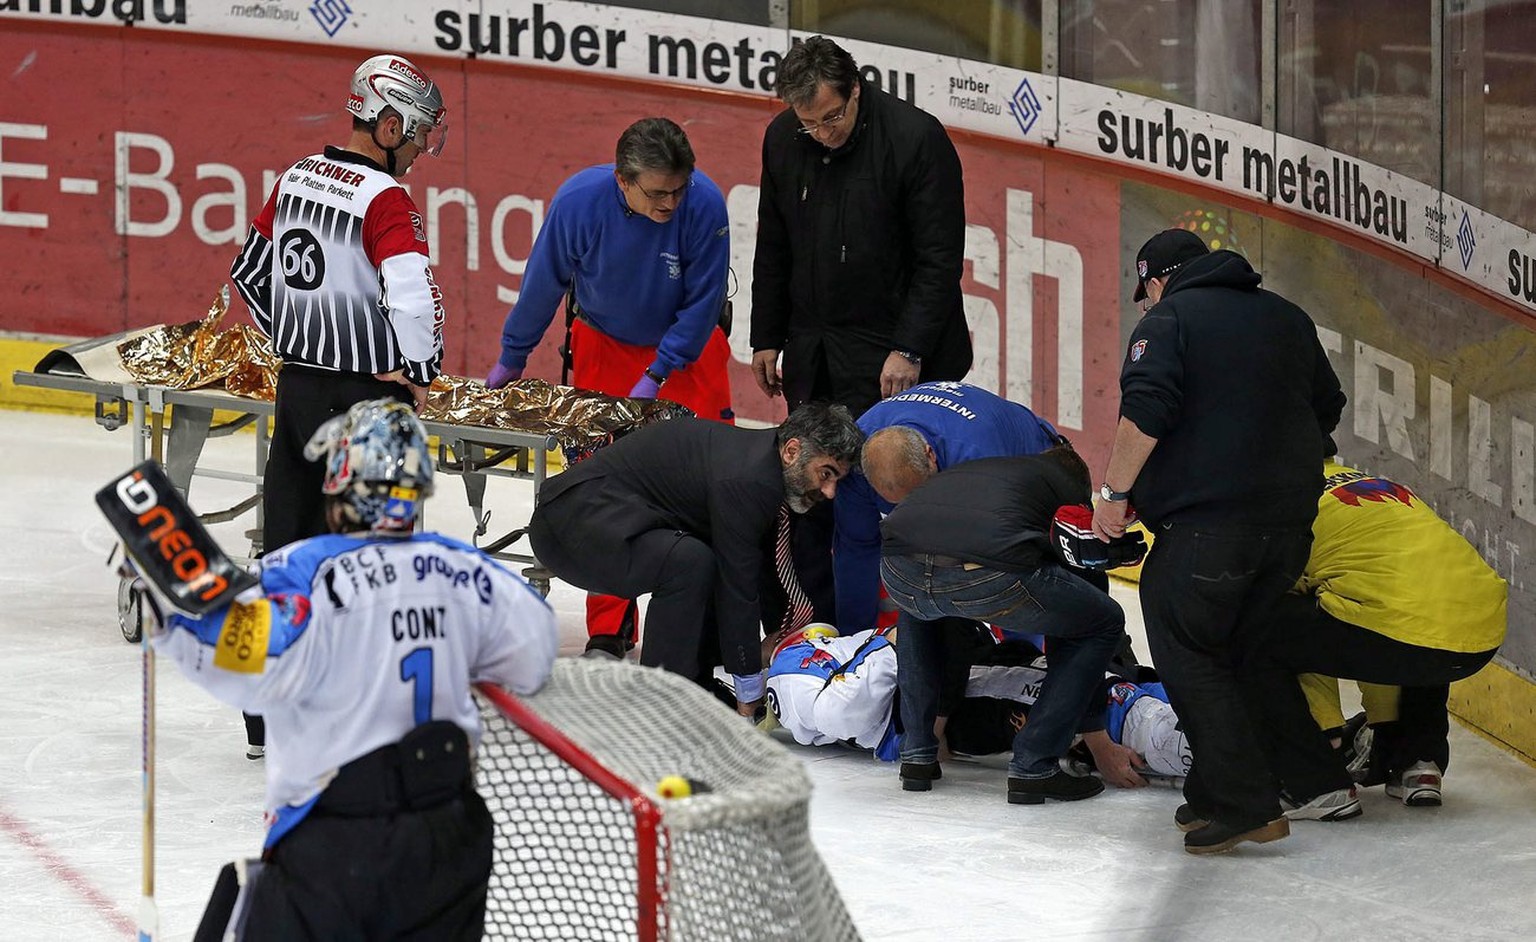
(173, 426)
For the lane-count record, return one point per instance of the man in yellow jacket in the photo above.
(1390, 595)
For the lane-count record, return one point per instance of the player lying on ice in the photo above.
(825, 688)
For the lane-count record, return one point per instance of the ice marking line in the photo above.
(71, 877)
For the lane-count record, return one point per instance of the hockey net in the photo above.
(585, 849)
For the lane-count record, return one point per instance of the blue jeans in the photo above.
(1083, 624)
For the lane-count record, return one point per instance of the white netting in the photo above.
(735, 862)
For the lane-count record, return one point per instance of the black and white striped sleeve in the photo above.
(252, 275)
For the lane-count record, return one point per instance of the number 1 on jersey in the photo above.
(416, 669)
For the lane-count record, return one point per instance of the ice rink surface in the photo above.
(955, 864)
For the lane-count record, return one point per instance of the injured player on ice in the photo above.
(824, 689)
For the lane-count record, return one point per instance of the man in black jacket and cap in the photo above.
(1226, 401)
(860, 240)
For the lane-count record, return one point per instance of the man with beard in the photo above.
(687, 511)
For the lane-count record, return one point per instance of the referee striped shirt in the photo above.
(335, 271)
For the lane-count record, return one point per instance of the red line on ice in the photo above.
(71, 877)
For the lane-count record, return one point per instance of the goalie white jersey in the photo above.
(355, 642)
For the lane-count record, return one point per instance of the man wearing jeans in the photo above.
(973, 542)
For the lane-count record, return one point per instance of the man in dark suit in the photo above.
(687, 511)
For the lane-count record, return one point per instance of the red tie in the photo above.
(798, 611)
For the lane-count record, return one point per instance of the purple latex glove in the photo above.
(647, 388)
(502, 375)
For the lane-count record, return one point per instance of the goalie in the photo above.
(359, 647)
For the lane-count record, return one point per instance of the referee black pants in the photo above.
(292, 507)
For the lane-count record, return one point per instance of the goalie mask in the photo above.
(378, 468)
(393, 82)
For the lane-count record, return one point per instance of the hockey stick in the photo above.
(175, 554)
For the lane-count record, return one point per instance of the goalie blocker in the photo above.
(167, 543)
(1073, 540)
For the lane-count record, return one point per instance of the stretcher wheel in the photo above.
(130, 611)
(539, 578)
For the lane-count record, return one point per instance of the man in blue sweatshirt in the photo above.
(640, 249)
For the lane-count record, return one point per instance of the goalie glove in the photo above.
(1075, 545)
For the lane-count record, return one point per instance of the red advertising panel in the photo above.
(131, 163)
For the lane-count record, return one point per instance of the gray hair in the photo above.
(654, 144)
(905, 450)
(809, 65)
(824, 428)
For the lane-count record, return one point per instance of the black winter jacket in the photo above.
(859, 251)
(1233, 383)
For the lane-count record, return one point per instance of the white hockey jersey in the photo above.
(356, 642)
(838, 689)
(335, 270)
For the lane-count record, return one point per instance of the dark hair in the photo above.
(1065, 456)
(809, 65)
(654, 144)
(358, 124)
(824, 428)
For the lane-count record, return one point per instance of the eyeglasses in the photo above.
(660, 195)
(829, 122)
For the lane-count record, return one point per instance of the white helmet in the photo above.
(394, 82)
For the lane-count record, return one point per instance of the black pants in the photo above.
(1204, 591)
(678, 570)
(292, 506)
(1305, 639)
(418, 875)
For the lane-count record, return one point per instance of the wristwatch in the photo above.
(658, 380)
(909, 356)
(1110, 494)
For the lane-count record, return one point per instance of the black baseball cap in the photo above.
(1163, 254)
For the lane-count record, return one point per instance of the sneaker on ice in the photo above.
(254, 751)
(1339, 805)
(1418, 786)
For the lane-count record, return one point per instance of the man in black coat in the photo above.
(687, 510)
(860, 240)
(1226, 401)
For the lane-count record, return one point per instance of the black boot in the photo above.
(1058, 786)
(920, 776)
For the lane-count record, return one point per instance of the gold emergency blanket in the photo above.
(198, 354)
(582, 421)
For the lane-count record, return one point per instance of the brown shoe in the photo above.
(1218, 838)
